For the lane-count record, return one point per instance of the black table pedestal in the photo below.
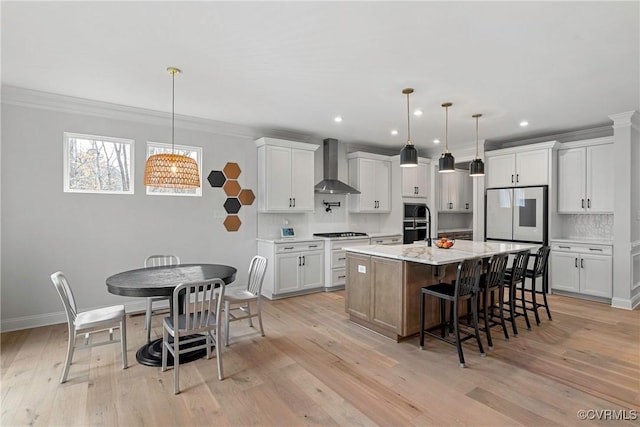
(151, 354)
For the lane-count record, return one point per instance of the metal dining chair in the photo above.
(156, 261)
(198, 321)
(238, 298)
(89, 322)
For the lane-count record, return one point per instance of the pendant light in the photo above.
(171, 170)
(447, 161)
(476, 167)
(408, 154)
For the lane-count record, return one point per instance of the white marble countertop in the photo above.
(586, 241)
(421, 253)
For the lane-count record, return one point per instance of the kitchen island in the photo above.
(383, 282)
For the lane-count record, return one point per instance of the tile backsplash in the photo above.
(587, 226)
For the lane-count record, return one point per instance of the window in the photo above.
(96, 164)
(193, 152)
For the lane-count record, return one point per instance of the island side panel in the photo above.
(386, 294)
(358, 286)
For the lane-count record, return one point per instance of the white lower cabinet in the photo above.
(582, 269)
(335, 261)
(293, 267)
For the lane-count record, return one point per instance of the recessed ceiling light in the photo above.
(436, 141)
(337, 119)
(394, 132)
(524, 123)
(417, 113)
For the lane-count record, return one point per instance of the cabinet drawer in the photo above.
(297, 247)
(338, 259)
(582, 248)
(338, 276)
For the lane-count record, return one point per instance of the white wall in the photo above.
(90, 236)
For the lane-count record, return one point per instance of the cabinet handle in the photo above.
(341, 277)
(299, 261)
(517, 177)
(576, 262)
(378, 241)
(582, 203)
(564, 247)
(292, 199)
(581, 263)
(288, 247)
(589, 203)
(466, 205)
(450, 205)
(595, 249)
(342, 259)
(313, 246)
(512, 178)
(304, 260)
(294, 202)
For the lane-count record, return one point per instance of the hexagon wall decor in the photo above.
(232, 205)
(216, 179)
(231, 187)
(227, 179)
(232, 223)
(246, 197)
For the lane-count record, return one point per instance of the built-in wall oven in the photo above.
(415, 222)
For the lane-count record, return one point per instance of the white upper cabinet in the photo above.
(585, 177)
(415, 180)
(371, 175)
(456, 191)
(285, 175)
(520, 166)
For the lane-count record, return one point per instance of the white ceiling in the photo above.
(293, 66)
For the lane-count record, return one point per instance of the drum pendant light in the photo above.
(408, 154)
(171, 170)
(447, 161)
(476, 167)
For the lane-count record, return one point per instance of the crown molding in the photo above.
(628, 118)
(12, 95)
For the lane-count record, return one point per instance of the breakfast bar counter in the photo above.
(383, 282)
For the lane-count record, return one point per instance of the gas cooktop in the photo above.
(341, 234)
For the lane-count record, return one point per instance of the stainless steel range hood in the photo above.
(330, 183)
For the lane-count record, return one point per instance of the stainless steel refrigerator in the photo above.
(517, 214)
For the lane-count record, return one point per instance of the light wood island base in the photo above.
(383, 294)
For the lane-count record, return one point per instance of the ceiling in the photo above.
(294, 66)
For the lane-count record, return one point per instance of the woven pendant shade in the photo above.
(171, 171)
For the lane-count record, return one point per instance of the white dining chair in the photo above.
(238, 297)
(156, 261)
(89, 322)
(200, 317)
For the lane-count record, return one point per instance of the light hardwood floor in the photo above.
(314, 367)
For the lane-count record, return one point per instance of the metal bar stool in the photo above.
(491, 281)
(464, 287)
(539, 270)
(514, 281)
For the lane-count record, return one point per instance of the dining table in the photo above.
(161, 281)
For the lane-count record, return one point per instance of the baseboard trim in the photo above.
(627, 304)
(47, 319)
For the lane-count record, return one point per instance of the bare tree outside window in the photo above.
(195, 153)
(97, 164)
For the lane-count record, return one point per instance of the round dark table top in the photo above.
(160, 281)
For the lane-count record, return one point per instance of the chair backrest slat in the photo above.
(519, 266)
(496, 270)
(542, 258)
(66, 295)
(161, 260)
(199, 304)
(468, 276)
(257, 270)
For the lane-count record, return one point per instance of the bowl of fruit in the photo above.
(444, 243)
